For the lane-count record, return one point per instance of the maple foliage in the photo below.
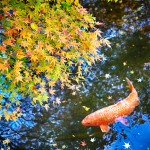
(43, 42)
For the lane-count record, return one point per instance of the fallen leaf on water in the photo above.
(74, 93)
(46, 107)
(58, 100)
(107, 76)
(52, 92)
(124, 63)
(86, 108)
(64, 146)
(139, 79)
(92, 140)
(7, 141)
(126, 145)
(83, 143)
(131, 72)
(109, 97)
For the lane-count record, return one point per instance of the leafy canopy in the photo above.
(43, 42)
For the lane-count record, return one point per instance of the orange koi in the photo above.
(117, 112)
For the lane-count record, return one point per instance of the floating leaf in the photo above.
(86, 108)
(83, 143)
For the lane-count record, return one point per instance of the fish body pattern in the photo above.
(113, 113)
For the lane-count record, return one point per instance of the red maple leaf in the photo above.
(83, 143)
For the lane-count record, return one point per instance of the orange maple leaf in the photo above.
(2, 48)
(4, 66)
(9, 42)
(20, 54)
(19, 64)
(25, 43)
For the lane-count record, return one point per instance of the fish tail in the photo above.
(131, 87)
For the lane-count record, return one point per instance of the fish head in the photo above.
(89, 121)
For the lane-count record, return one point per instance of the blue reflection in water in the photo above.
(137, 137)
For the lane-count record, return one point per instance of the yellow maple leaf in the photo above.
(7, 116)
(19, 78)
(18, 64)
(34, 26)
(34, 58)
(86, 108)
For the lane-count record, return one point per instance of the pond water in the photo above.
(59, 127)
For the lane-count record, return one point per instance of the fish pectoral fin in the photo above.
(104, 128)
(122, 120)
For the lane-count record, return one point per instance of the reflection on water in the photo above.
(60, 127)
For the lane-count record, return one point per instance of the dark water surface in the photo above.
(60, 127)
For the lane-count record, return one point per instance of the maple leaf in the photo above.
(99, 23)
(124, 63)
(7, 116)
(34, 57)
(46, 107)
(106, 42)
(58, 45)
(51, 83)
(58, 100)
(2, 48)
(107, 76)
(82, 10)
(20, 54)
(23, 33)
(92, 140)
(42, 90)
(7, 141)
(19, 64)
(83, 143)
(19, 78)
(45, 97)
(25, 43)
(109, 97)
(8, 42)
(48, 31)
(4, 66)
(62, 39)
(126, 145)
(50, 48)
(86, 108)
(74, 93)
(98, 33)
(51, 91)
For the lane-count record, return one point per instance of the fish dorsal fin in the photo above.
(104, 128)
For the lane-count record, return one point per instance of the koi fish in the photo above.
(113, 113)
